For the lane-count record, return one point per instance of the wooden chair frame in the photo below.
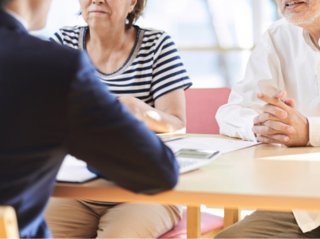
(8, 223)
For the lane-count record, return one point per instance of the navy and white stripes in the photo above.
(153, 69)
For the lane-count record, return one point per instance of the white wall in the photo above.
(62, 13)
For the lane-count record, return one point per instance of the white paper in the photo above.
(208, 143)
(204, 143)
(74, 171)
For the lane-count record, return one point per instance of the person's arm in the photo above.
(314, 129)
(168, 115)
(169, 80)
(103, 133)
(236, 118)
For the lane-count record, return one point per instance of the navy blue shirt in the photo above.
(51, 104)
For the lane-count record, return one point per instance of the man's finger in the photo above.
(280, 127)
(275, 111)
(290, 102)
(273, 101)
(263, 130)
(274, 139)
(260, 119)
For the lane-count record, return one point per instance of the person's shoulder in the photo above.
(153, 34)
(38, 44)
(150, 30)
(281, 38)
(71, 29)
(156, 39)
(282, 22)
(69, 35)
(48, 54)
(283, 27)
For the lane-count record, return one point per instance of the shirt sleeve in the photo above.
(235, 118)
(111, 140)
(68, 36)
(57, 37)
(169, 72)
(314, 129)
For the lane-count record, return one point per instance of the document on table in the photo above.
(223, 145)
(74, 170)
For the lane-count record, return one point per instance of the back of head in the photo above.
(3, 3)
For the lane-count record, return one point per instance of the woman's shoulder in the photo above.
(154, 34)
(155, 39)
(69, 35)
(71, 30)
(150, 30)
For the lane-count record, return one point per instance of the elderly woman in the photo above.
(142, 67)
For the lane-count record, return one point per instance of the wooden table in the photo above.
(270, 177)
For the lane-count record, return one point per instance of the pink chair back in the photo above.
(202, 105)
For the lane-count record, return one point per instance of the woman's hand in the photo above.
(133, 104)
(168, 115)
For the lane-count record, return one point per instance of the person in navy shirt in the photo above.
(52, 104)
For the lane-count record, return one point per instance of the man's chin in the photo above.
(302, 21)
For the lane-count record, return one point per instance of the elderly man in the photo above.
(279, 102)
(51, 104)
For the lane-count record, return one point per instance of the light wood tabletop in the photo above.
(264, 176)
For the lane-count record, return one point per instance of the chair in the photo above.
(180, 230)
(202, 105)
(8, 223)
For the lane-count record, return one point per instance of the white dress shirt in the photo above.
(287, 58)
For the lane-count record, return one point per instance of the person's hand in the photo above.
(132, 104)
(141, 110)
(280, 122)
(167, 115)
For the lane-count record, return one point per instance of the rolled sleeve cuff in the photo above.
(314, 129)
(242, 131)
(248, 134)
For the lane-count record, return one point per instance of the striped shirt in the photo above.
(152, 70)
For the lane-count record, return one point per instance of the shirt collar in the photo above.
(18, 18)
(309, 41)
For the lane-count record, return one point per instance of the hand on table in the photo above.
(280, 122)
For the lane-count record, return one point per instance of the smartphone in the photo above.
(196, 153)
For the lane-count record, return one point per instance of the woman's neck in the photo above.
(110, 48)
(107, 39)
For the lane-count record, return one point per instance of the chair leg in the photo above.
(231, 216)
(8, 223)
(193, 222)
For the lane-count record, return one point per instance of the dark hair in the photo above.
(3, 3)
(137, 12)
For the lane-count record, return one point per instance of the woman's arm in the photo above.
(168, 115)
